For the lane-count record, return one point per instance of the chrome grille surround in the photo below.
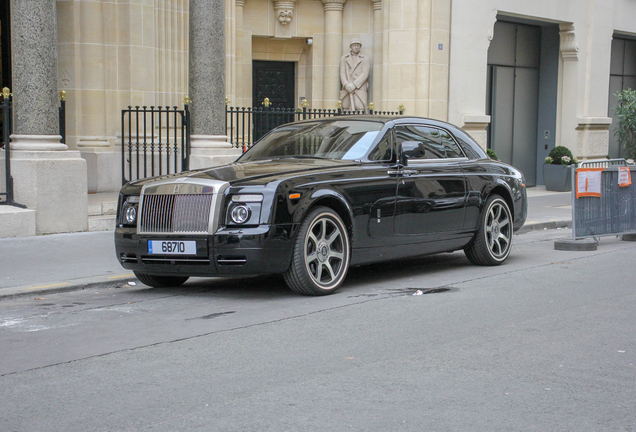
(182, 206)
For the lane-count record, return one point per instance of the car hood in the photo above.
(258, 171)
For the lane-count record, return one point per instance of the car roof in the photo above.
(383, 119)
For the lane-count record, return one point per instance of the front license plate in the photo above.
(172, 247)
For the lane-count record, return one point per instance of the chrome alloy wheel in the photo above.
(325, 251)
(498, 229)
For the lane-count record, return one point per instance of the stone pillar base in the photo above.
(476, 126)
(54, 184)
(592, 137)
(103, 166)
(37, 142)
(16, 222)
(211, 150)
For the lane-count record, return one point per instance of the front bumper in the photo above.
(230, 251)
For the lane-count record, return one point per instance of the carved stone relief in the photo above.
(284, 10)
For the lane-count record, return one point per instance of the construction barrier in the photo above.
(603, 199)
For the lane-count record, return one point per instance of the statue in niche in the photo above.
(354, 72)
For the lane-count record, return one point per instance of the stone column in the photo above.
(240, 61)
(333, 52)
(207, 85)
(378, 20)
(230, 49)
(48, 177)
(568, 83)
(35, 94)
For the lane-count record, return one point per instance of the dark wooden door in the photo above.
(275, 81)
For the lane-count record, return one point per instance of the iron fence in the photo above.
(245, 126)
(155, 141)
(7, 128)
(62, 116)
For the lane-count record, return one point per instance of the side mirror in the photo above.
(410, 150)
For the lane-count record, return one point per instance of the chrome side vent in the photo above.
(164, 213)
(128, 258)
(231, 260)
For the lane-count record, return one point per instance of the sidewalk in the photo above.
(62, 262)
(547, 210)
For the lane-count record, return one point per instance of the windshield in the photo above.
(338, 139)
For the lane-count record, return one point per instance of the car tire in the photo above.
(321, 254)
(161, 281)
(493, 240)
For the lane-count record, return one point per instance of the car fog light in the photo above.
(240, 214)
(130, 214)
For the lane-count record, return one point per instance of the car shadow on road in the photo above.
(273, 287)
(257, 287)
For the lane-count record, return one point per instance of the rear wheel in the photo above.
(161, 281)
(321, 254)
(493, 240)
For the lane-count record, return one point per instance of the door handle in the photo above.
(399, 173)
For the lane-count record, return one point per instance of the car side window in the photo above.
(436, 143)
(383, 150)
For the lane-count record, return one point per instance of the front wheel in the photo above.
(321, 254)
(493, 240)
(161, 281)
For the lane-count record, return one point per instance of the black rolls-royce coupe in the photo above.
(314, 197)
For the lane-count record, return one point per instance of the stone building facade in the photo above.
(520, 76)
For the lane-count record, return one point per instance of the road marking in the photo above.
(49, 286)
(121, 277)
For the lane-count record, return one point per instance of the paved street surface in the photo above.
(544, 342)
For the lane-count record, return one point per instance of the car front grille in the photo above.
(175, 213)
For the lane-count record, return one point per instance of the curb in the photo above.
(545, 226)
(56, 288)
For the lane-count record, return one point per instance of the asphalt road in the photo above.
(545, 342)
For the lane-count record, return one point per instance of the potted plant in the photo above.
(626, 120)
(556, 170)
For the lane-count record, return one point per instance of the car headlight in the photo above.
(130, 214)
(240, 214)
(244, 209)
(129, 210)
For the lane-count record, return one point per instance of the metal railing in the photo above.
(611, 213)
(602, 163)
(245, 126)
(155, 141)
(7, 128)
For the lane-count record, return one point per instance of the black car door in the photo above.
(431, 189)
(372, 196)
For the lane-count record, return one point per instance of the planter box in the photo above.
(557, 178)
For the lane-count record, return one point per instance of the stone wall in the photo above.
(111, 55)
